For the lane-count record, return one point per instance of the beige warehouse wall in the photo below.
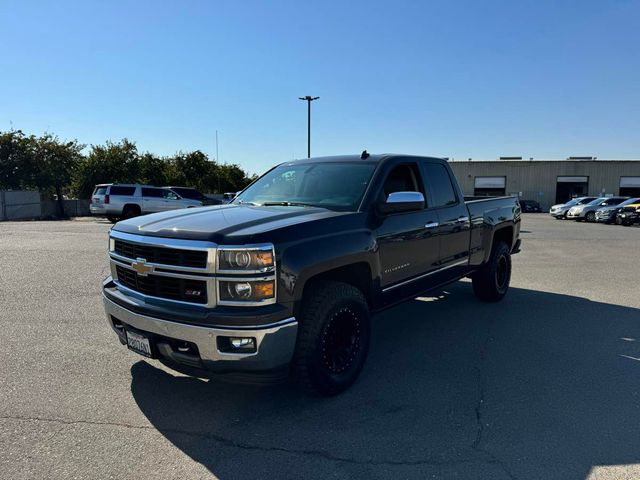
(537, 179)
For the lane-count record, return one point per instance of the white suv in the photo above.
(117, 201)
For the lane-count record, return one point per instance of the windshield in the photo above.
(596, 201)
(630, 201)
(331, 185)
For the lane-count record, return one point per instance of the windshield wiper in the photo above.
(285, 204)
(242, 202)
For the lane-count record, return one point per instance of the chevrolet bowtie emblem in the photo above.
(141, 267)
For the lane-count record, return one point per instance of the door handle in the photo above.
(431, 225)
(463, 219)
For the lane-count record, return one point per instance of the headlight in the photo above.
(254, 259)
(247, 290)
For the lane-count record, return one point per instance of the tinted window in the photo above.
(188, 193)
(170, 195)
(439, 185)
(402, 178)
(128, 191)
(152, 192)
(586, 200)
(100, 191)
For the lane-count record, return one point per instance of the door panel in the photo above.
(407, 247)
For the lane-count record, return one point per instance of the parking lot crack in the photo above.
(479, 406)
(322, 454)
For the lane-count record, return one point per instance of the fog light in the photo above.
(242, 342)
(237, 344)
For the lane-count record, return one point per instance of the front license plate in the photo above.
(139, 343)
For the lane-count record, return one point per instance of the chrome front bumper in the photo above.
(274, 343)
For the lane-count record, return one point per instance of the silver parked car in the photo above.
(116, 201)
(559, 211)
(608, 214)
(588, 212)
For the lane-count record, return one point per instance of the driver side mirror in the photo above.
(398, 202)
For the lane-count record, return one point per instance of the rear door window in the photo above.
(168, 194)
(152, 192)
(124, 191)
(439, 186)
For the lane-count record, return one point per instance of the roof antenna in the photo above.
(364, 155)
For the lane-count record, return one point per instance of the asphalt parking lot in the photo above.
(544, 385)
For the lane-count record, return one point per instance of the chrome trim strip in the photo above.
(466, 260)
(163, 274)
(162, 266)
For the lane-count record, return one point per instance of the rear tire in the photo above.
(491, 282)
(333, 338)
(112, 219)
(130, 211)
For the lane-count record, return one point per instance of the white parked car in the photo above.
(116, 201)
(560, 210)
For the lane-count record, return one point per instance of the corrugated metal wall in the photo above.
(537, 179)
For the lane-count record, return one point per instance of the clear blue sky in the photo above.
(460, 79)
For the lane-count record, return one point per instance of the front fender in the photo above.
(307, 259)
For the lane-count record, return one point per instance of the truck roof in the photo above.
(372, 158)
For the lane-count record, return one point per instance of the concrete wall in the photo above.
(16, 205)
(24, 205)
(537, 179)
(72, 208)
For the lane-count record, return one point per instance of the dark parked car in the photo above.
(628, 215)
(282, 281)
(193, 194)
(530, 206)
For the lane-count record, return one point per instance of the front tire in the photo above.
(591, 217)
(491, 282)
(333, 338)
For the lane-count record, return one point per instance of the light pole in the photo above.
(309, 99)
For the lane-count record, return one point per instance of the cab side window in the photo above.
(152, 192)
(438, 184)
(403, 178)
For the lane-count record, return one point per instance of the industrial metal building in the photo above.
(548, 181)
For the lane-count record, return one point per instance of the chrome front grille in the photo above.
(172, 288)
(175, 270)
(162, 255)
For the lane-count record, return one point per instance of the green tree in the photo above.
(53, 165)
(15, 160)
(109, 163)
(153, 170)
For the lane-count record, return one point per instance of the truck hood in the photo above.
(222, 223)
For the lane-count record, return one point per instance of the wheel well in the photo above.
(135, 206)
(356, 274)
(505, 234)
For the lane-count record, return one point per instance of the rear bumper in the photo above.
(97, 209)
(274, 344)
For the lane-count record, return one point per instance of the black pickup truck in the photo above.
(282, 282)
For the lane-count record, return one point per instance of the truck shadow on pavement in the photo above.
(541, 385)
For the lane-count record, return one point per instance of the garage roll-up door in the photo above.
(490, 182)
(573, 179)
(630, 182)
